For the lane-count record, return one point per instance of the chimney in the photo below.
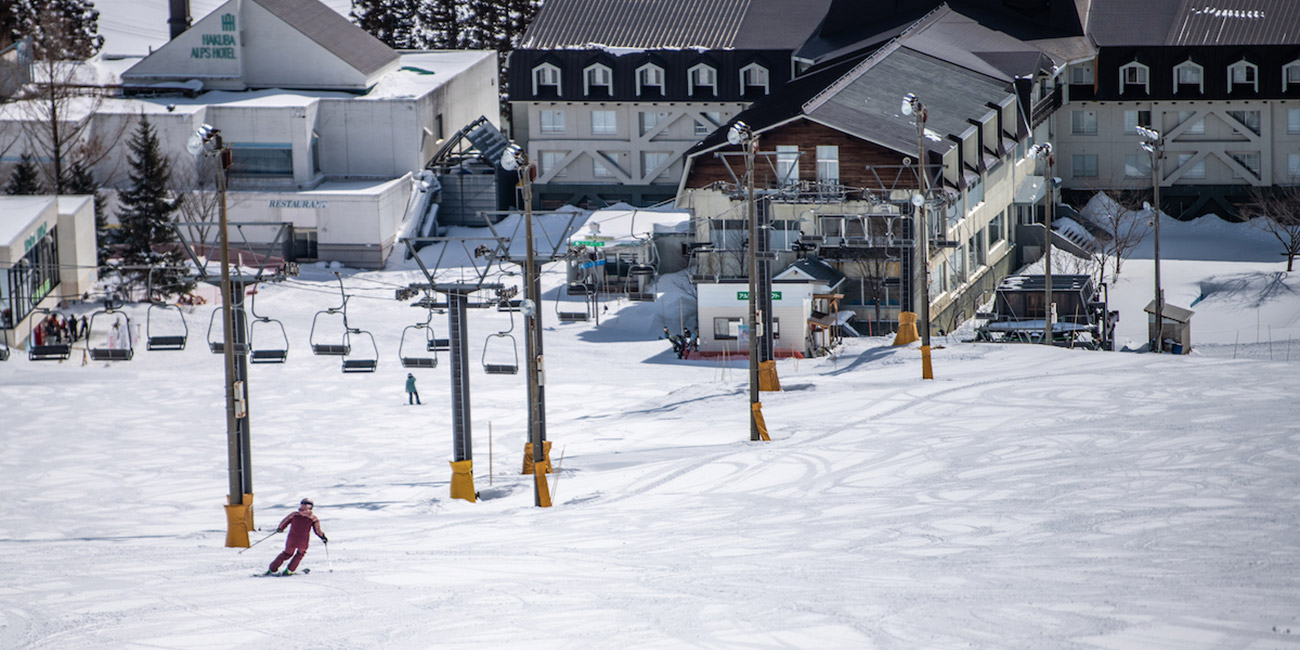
(180, 16)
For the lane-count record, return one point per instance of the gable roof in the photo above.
(1194, 22)
(355, 46)
(814, 268)
(672, 24)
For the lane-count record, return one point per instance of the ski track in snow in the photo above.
(1025, 498)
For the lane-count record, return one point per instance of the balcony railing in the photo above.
(1045, 107)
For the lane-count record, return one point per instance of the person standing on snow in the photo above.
(300, 524)
(412, 395)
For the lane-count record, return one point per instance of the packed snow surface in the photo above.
(1027, 497)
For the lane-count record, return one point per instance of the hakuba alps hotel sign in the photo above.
(218, 46)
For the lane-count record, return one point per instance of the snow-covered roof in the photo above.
(17, 213)
(627, 225)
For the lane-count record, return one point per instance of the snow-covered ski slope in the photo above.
(1025, 498)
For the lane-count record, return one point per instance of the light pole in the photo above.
(913, 106)
(515, 159)
(1153, 142)
(741, 135)
(1043, 151)
(239, 515)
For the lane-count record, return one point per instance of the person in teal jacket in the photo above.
(412, 395)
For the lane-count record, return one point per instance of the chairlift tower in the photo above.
(239, 506)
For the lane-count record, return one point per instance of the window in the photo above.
(649, 79)
(650, 121)
(1137, 165)
(1134, 74)
(1293, 166)
(598, 77)
(996, 229)
(1084, 165)
(1083, 122)
(703, 79)
(546, 80)
(262, 159)
(828, 164)
(652, 160)
(304, 244)
(604, 123)
(1196, 128)
(787, 164)
(599, 168)
(753, 76)
(1193, 170)
(1293, 120)
(1243, 73)
(1081, 74)
(1249, 160)
(552, 121)
(1191, 74)
(726, 328)
(957, 267)
(1249, 118)
(976, 247)
(551, 163)
(975, 192)
(1291, 74)
(710, 122)
(1134, 119)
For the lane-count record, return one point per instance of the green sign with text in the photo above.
(744, 295)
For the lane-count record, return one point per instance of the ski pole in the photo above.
(260, 541)
(327, 557)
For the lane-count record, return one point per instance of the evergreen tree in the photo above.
(438, 25)
(147, 207)
(390, 21)
(80, 180)
(26, 177)
(61, 30)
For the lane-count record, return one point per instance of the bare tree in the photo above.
(1115, 213)
(58, 106)
(1276, 211)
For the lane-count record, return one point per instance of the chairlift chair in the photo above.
(403, 349)
(320, 346)
(259, 353)
(47, 351)
(573, 316)
(218, 345)
(354, 363)
(498, 368)
(173, 338)
(107, 352)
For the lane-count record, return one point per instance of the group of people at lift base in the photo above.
(53, 330)
(684, 344)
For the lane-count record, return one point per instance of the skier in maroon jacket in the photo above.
(300, 524)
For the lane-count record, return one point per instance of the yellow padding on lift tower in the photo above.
(543, 490)
(248, 502)
(462, 480)
(758, 419)
(237, 516)
(906, 329)
(528, 457)
(767, 379)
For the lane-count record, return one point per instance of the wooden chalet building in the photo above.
(838, 167)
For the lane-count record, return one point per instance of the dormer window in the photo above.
(1134, 74)
(1243, 73)
(599, 78)
(1291, 75)
(1189, 73)
(649, 79)
(703, 80)
(546, 80)
(753, 76)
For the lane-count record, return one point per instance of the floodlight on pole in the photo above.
(515, 159)
(921, 274)
(1153, 142)
(1043, 151)
(206, 140)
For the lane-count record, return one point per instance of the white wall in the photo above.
(720, 301)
